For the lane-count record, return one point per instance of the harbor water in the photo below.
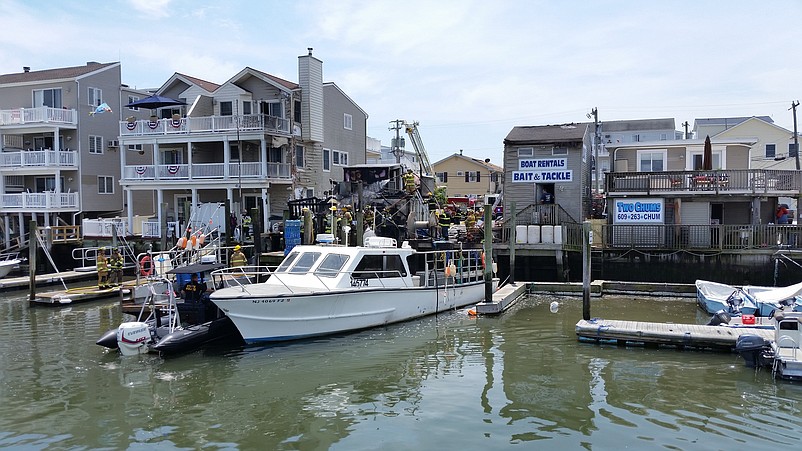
(442, 382)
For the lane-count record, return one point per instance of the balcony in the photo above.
(729, 181)
(206, 125)
(204, 172)
(39, 159)
(39, 115)
(39, 202)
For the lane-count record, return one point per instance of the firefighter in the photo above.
(116, 266)
(102, 269)
(237, 257)
(444, 221)
(409, 181)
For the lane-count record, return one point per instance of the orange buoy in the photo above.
(182, 242)
(472, 312)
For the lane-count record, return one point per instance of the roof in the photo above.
(680, 143)
(281, 81)
(727, 121)
(54, 74)
(207, 85)
(489, 166)
(547, 133)
(197, 267)
(638, 124)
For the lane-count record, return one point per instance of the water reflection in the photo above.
(453, 381)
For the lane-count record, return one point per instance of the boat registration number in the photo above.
(269, 301)
(359, 282)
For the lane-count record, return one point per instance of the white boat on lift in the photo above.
(326, 289)
(8, 262)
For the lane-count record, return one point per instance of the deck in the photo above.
(665, 334)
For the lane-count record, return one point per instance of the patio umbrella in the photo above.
(155, 101)
(707, 157)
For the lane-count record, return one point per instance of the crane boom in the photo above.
(420, 151)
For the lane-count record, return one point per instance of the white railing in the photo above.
(39, 158)
(205, 171)
(19, 116)
(41, 201)
(205, 124)
(105, 227)
(152, 229)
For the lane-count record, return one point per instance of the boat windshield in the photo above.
(331, 265)
(305, 262)
(287, 262)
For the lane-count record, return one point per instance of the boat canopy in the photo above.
(779, 294)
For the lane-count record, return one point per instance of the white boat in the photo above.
(8, 262)
(714, 297)
(325, 289)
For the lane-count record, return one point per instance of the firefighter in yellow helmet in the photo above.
(409, 181)
(237, 257)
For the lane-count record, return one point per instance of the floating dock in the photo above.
(640, 333)
(23, 282)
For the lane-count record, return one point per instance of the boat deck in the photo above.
(642, 333)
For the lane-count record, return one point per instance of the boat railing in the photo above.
(234, 276)
(241, 275)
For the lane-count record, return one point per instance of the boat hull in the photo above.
(261, 318)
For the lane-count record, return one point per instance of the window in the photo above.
(299, 156)
(226, 109)
(472, 176)
(331, 265)
(376, 266)
(348, 121)
(525, 152)
(47, 97)
(95, 144)
(340, 158)
(132, 99)
(95, 96)
(297, 111)
(105, 184)
(274, 109)
(698, 159)
(135, 147)
(246, 107)
(305, 262)
(792, 149)
(559, 151)
(442, 177)
(287, 262)
(651, 160)
(326, 160)
(771, 151)
(47, 184)
(663, 136)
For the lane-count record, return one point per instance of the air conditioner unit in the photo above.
(113, 143)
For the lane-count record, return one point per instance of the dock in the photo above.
(22, 282)
(73, 295)
(640, 333)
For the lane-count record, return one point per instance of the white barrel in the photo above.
(558, 234)
(520, 234)
(533, 234)
(547, 234)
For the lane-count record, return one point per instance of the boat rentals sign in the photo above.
(542, 170)
(639, 211)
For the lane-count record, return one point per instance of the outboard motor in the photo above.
(754, 350)
(719, 318)
(133, 337)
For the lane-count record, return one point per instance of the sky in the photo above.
(468, 71)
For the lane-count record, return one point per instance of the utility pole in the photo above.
(686, 125)
(397, 143)
(795, 104)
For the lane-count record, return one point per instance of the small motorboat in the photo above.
(161, 330)
(713, 297)
(8, 262)
(783, 354)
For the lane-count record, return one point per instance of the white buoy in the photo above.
(554, 306)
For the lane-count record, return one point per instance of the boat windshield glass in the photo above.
(287, 262)
(305, 262)
(331, 265)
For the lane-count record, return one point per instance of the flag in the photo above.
(102, 108)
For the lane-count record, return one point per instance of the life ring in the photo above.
(146, 266)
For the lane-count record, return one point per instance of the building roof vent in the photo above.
(26, 69)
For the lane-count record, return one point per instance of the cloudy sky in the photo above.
(467, 70)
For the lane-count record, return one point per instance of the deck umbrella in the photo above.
(155, 101)
(707, 157)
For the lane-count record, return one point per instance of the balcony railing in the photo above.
(205, 124)
(205, 172)
(40, 201)
(39, 158)
(729, 181)
(20, 116)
